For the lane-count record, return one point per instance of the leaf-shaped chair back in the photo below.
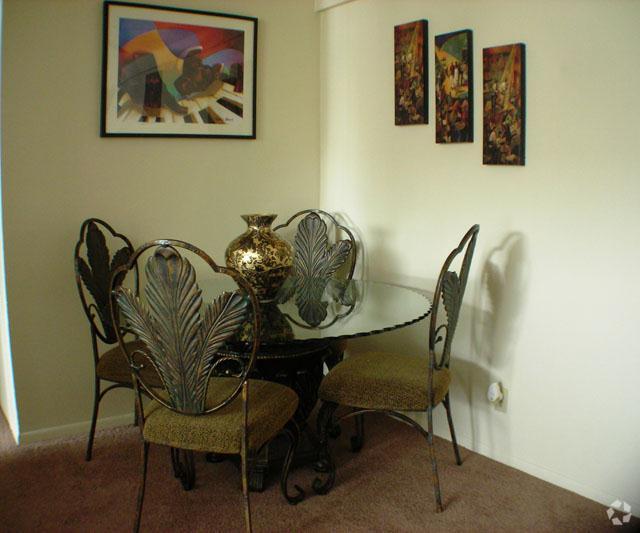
(94, 265)
(315, 256)
(449, 292)
(182, 336)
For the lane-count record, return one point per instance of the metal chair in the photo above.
(93, 267)
(192, 411)
(393, 384)
(311, 237)
(315, 257)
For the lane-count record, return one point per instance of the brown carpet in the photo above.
(386, 487)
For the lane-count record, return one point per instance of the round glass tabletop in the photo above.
(324, 309)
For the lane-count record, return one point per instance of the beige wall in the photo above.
(552, 307)
(58, 171)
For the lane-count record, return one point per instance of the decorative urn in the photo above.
(261, 256)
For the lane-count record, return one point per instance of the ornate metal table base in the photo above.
(300, 367)
(271, 458)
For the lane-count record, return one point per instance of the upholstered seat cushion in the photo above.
(113, 365)
(383, 381)
(271, 405)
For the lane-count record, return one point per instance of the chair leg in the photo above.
(447, 406)
(357, 440)
(334, 357)
(434, 465)
(175, 462)
(245, 482)
(94, 418)
(184, 467)
(325, 461)
(143, 480)
(292, 432)
(189, 480)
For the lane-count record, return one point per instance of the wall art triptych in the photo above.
(503, 90)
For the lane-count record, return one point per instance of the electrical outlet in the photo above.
(502, 405)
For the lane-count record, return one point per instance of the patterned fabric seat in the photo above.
(272, 405)
(379, 380)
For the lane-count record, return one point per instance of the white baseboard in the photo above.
(541, 472)
(71, 430)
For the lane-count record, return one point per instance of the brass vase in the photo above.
(261, 256)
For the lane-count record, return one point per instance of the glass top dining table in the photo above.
(299, 330)
(313, 309)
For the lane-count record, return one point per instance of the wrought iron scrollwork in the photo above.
(343, 291)
(314, 265)
(314, 258)
(96, 275)
(450, 288)
(182, 344)
(93, 269)
(308, 298)
(312, 297)
(307, 294)
(292, 432)
(451, 300)
(228, 366)
(325, 464)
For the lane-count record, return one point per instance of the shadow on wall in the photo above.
(487, 333)
(495, 325)
(494, 322)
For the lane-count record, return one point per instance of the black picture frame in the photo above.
(172, 72)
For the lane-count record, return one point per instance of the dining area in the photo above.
(229, 361)
(253, 408)
(400, 126)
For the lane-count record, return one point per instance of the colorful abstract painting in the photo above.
(410, 48)
(454, 87)
(178, 72)
(503, 105)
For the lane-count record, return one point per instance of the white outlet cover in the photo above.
(494, 393)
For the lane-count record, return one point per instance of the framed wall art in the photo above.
(177, 73)
(503, 93)
(410, 58)
(454, 87)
